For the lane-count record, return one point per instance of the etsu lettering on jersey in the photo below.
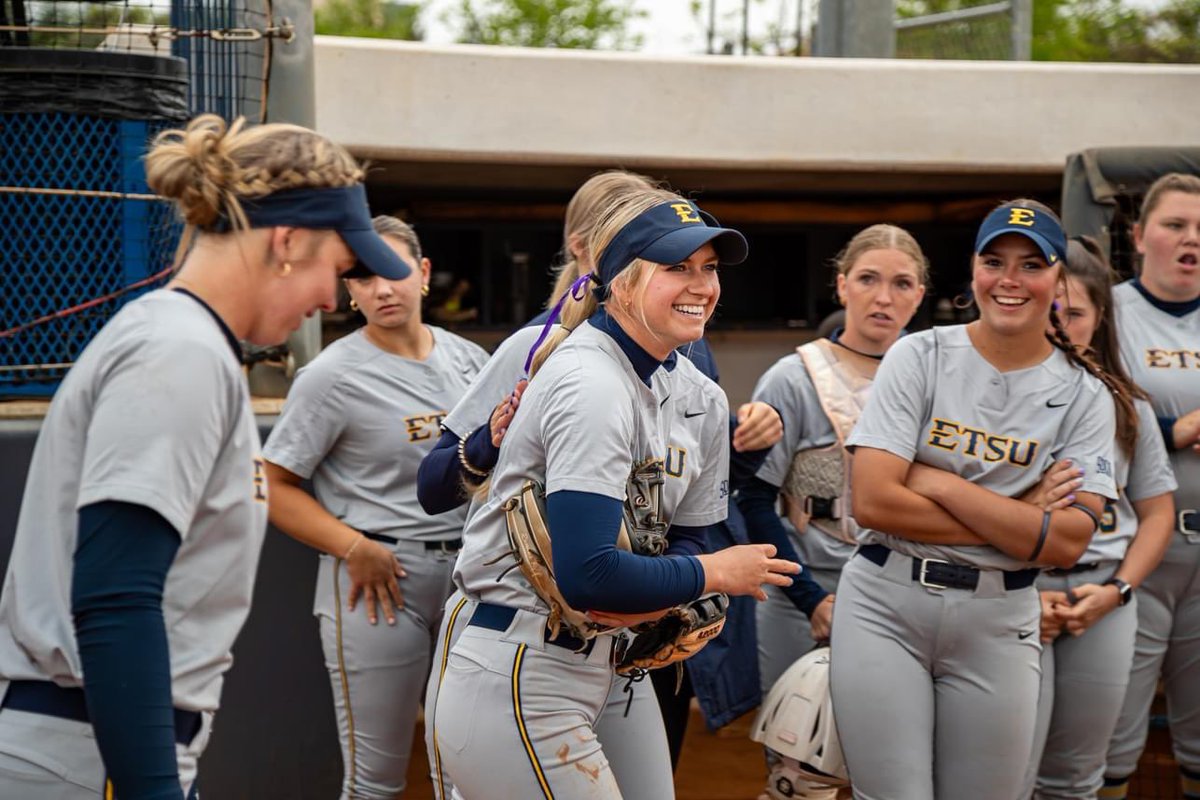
(260, 480)
(1159, 358)
(978, 443)
(676, 461)
(423, 427)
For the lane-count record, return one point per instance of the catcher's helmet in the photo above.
(796, 723)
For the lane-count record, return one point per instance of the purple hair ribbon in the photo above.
(555, 312)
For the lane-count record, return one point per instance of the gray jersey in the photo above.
(937, 401)
(359, 420)
(156, 413)
(1148, 474)
(1162, 353)
(583, 422)
(788, 387)
(696, 408)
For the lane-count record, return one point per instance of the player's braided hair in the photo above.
(210, 166)
(619, 213)
(1087, 265)
(584, 211)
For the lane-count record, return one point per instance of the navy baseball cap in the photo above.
(1039, 227)
(667, 234)
(343, 209)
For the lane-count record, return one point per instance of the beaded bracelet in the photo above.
(466, 465)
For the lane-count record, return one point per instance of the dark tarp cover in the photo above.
(132, 86)
(1093, 180)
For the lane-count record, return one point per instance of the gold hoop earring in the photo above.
(287, 269)
(425, 290)
(353, 304)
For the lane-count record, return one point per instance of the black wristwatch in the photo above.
(1124, 590)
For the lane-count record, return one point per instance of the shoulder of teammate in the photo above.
(465, 356)
(895, 411)
(1150, 471)
(495, 379)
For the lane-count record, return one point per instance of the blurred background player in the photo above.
(819, 390)
(357, 422)
(1089, 613)
(146, 502)
(935, 651)
(589, 414)
(1158, 324)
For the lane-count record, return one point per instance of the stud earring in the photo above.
(353, 304)
(425, 290)
(287, 269)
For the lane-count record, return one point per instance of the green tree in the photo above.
(371, 18)
(587, 24)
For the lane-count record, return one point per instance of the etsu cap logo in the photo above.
(1039, 227)
(687, 213)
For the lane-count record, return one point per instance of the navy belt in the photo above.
(497, 618)
(441, 546)
(937, 574)
(52, 700)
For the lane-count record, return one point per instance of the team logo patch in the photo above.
(1103, 466)
(686, 212)
(422, 427)
(260, 480)
(978, 443)
(1022, 216)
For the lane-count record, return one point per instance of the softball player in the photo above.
(935, 632)
(146, 502)
(1089, 618)
(630, 728)
(357, 421)
(1158, 316)
(881, 277)
(515, 715)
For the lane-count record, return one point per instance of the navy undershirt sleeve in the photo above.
(687, 540)
(1167, 426)
(593, 574)
(756, 501)
(440, 475)
(121, 561)
(743, 466)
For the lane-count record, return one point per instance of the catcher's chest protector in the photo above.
(817, 486)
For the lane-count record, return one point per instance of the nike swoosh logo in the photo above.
(1054, 405)
(1025, 635)
(690, 414)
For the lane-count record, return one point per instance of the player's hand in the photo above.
(1092, 602)
(502, 414)
(1052, 621)
(374, 570)
(821, 620)
(1057, 487)
(744, 569)
(759, 427)
(615, 620)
